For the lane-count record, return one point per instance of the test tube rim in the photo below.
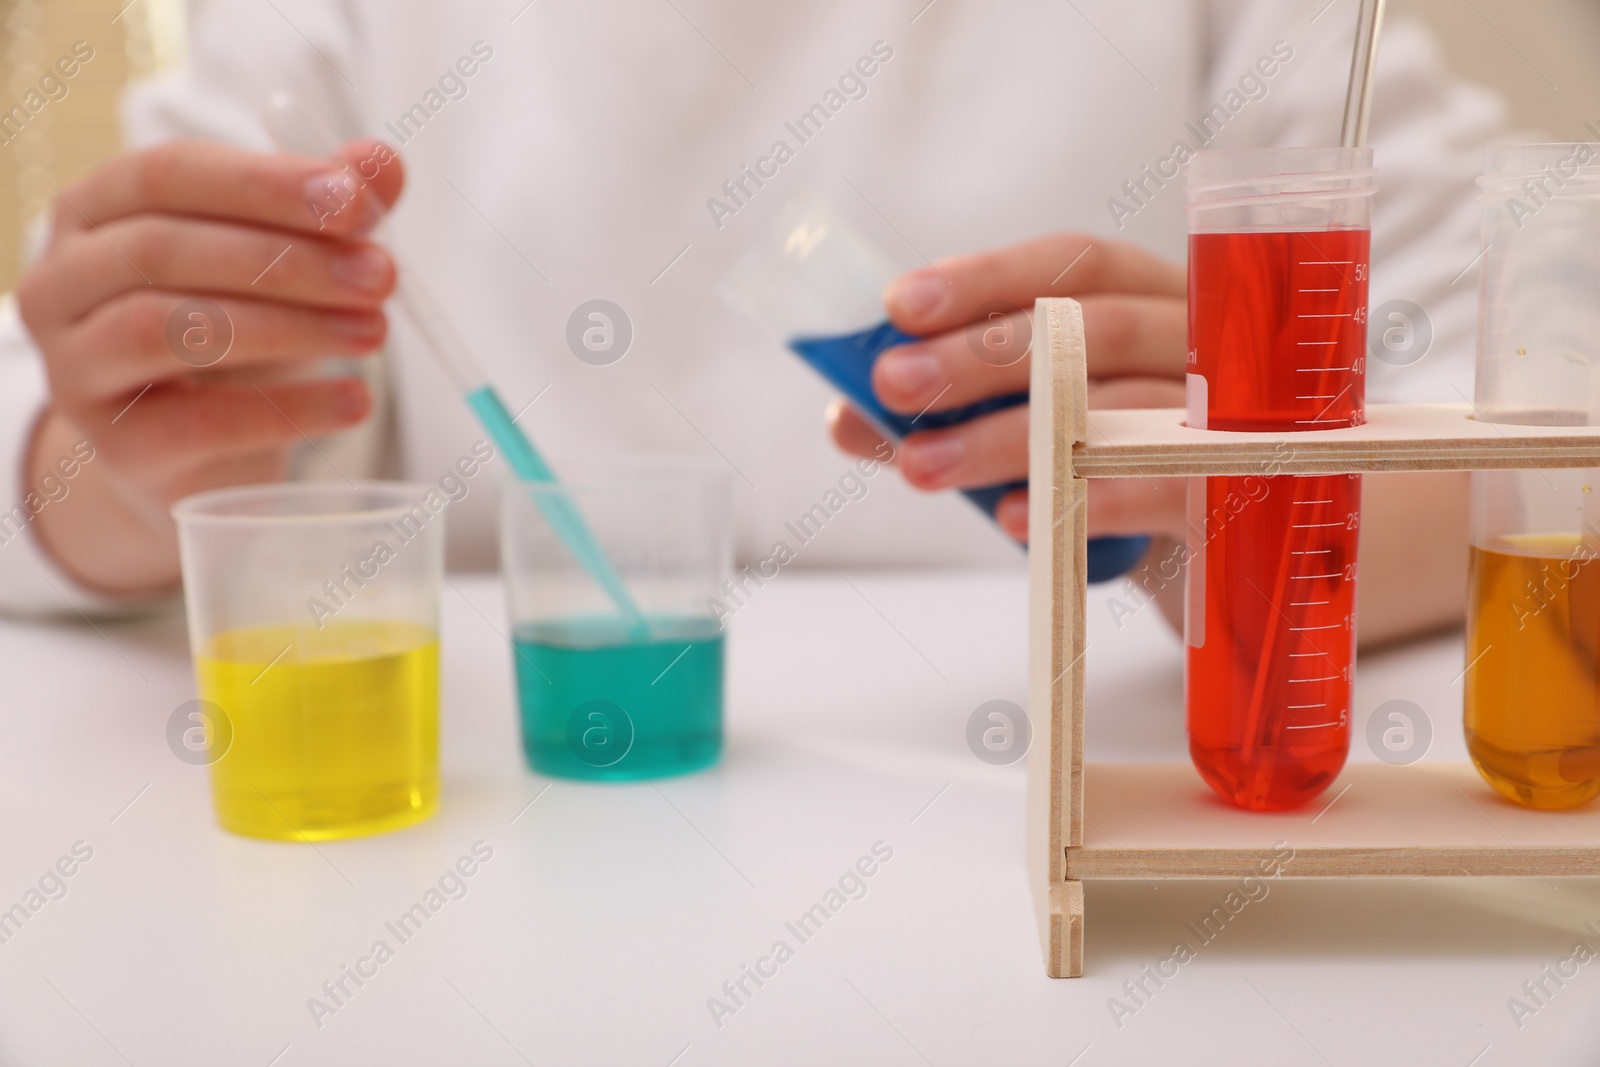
(1497, 168)
(1322, 178)
(1206, 192)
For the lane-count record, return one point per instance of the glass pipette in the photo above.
(1363, 64)
(295, 129)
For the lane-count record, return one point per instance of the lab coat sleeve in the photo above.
(239, 50)
(1428, 132)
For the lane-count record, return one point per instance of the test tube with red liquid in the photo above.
(1279, 245)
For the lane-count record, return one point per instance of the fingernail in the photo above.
(916, 295)
(370, 212)
(366, 269)
(910, 372)
(350, 399)
(339, 195)
(357, 327)
(327, 196)
(932, 460)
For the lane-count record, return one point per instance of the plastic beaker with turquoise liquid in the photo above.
(812, 280)
(606, 695)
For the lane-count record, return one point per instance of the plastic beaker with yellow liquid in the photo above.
(1532, 684)
(313, 619)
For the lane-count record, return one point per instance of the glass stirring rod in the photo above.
(295, 129)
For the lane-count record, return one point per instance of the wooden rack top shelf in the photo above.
(1154, 442)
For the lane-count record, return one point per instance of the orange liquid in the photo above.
(1533, 690)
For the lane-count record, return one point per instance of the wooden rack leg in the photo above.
(1057, 597)
(1068, 903)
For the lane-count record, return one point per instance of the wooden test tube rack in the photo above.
(1160, 820)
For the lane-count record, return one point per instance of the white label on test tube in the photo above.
(1198, 397)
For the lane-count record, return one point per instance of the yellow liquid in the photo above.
(335, 731)
(1533, 699)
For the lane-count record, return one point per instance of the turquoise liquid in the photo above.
(602, 703)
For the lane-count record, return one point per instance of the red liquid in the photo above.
(1277, 330)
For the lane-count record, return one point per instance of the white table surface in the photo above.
(608, 915)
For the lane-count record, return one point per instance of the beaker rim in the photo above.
(217, 506)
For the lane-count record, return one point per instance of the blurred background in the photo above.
(71, 135)
(1541, 56)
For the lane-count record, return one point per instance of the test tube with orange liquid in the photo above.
(1532, 682)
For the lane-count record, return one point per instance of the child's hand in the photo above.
(1136, 322)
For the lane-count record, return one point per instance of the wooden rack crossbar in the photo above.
(1160, 821)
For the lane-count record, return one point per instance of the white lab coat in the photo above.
(580, 161)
